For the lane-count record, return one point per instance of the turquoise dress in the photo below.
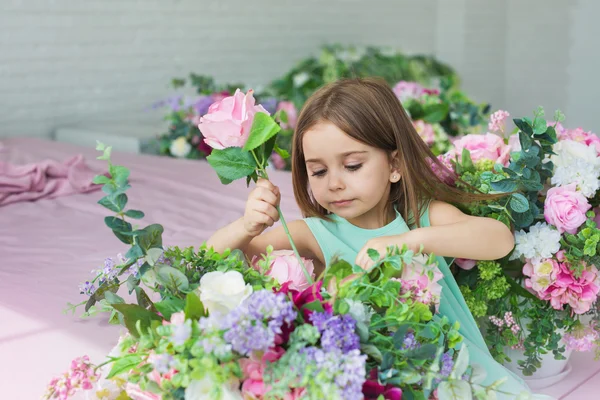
(340, 238)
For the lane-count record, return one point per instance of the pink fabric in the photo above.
(45, 179)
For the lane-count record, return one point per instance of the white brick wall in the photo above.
(94, 62)
(86, 62)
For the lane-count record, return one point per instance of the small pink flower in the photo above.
(228, 121)
(425, 131)
(565, 208)
(405, 90)
(497, 122)
(292, 114)
(483, 147)
(446, 172)
(465, 263)
(415, 280)
(285, 268)
(253, 369)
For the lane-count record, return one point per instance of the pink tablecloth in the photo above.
(49, 246)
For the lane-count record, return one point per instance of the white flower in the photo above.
(180, 147)
(204, 390)
(575, 162)
(360, 312)
(300, 79)
(221, 292)
(542, 241)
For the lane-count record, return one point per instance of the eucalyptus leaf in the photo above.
(172, 278)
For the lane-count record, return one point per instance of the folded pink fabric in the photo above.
(44, 180)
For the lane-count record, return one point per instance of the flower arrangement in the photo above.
(439, 114)
(215, 326)
(540, 297)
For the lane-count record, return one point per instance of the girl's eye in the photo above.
(355, 167)
(319, 173)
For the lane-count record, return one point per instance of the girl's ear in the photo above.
(394, 167)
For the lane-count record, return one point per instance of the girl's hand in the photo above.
(380, 244)
(261, 211)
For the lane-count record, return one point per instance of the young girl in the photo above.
(360, 173)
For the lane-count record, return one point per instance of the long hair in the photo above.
(368, 111)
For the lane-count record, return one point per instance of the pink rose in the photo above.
(405, 90)
(565, 208)
(286, 268)
(135, 393)
(581, 136)
(228, 121)
(483, 147)
(308, 295)
(292, 114)
(465, 263)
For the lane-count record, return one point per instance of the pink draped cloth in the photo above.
(45, 179)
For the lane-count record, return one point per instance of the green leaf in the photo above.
(282, 152)
(522, 220)
(519, 203)
(134, 253)
(523, 126)
(466, 160)
(388, 361)
(135, 214)
(539, 126)
(101, 179)
(373, 254)
(505, 185)
(113, 298)
(124, 364)
(150, 236)
(314, 306)
(436, 112)
(142, 298)
(232, 163)
(106, 154)
(263, 128)
(117, 224)
(424, 352)
(173, 278)
(461, 363)
(268, 148)
(153, 255)
(114, 203)
(340, 269)
(399, 336)
(119, 174)
(194, 309)
(525, 139)
(169, 306)
(100, 146)
(132, 313)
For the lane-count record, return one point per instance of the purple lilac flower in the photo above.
(410, 343)
(254, 323)
(87, 288)
(181, 333)
(347, 371)
(162, 362)
(447, 364)
(337, 332)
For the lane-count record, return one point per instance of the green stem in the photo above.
(263, 174)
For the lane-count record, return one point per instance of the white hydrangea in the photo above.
(542, 241)
(575, 162)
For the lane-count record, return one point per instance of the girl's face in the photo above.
(347, 177)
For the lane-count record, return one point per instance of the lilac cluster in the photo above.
(337, 332)
(110, 271)
(254, 324)
(346, 372)
(447, 364)
(410, 342)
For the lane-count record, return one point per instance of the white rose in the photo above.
(565, 149)
(180, 147)
(204, 389)
(221, 292)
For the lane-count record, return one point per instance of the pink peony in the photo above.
(415, 279)
(483, 147)
(565, 208)
(425, 131)
(228, 121)
(286, 268)
(308, 295)
(465, 263)
(498, 121)
(292, 114)
(579, 293)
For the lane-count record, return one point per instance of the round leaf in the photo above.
(173, 278)
(519, 203)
